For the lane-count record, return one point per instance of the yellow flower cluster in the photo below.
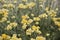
(29, 5)
(11, 6)
(22, 6)
(4, 36)
(11, 25)
(3, 15)
(57, 21)
(8, 5)
(24, 0)
(26, 20)
(36, 29)
(14, 37)
(7, 37)
(39, 38)
(44, 15)
(52, 13)
(36, 19)
(29, 31)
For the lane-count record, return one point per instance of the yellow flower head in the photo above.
(32, 15)
(14, 24)
(5, 5)
(25, 16)
(11, 25)
(11, 5)
(36, 19)
(52, 13)
(47, 8)
(31, 4)
(15, 1)
(29, 31)
(24, 0)
(37, 23)
(44, 15)
(35, 28)
(22, 6)
(30, 21)
(8, 21)
(24, 26)
(24, 21)
(13, 17)
(4, 36)
(32, 39)
(40, 38)
(3, 15)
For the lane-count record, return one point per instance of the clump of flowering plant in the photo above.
(29, 20)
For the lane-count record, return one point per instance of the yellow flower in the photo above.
(13, 17)
(5, 5)
(30, 21)
(47, 8)
(22, 6)
(19, 38)
(31, 4)
(24, 0)
(35, 28)
(11, 5)
(4, 11)
(15, 1)
(37, 23)
(38, 31)
(32, 39)
(1, 38)
(8, 27)
(41, 5)
(24, 21)
(4, 36)
(47, 34)
(57, 9)
(52, 13)
(24, 26)
(14, 24)
(4, 14)
(14, 37)
(56, 21)
(29, 31)
(36, 19)
(44, 15)
(8, 21)
(25, 16)
(40, 38)
(32, 14)
(8, 37)
(3, 19)
(11, 25)
(59, 29)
